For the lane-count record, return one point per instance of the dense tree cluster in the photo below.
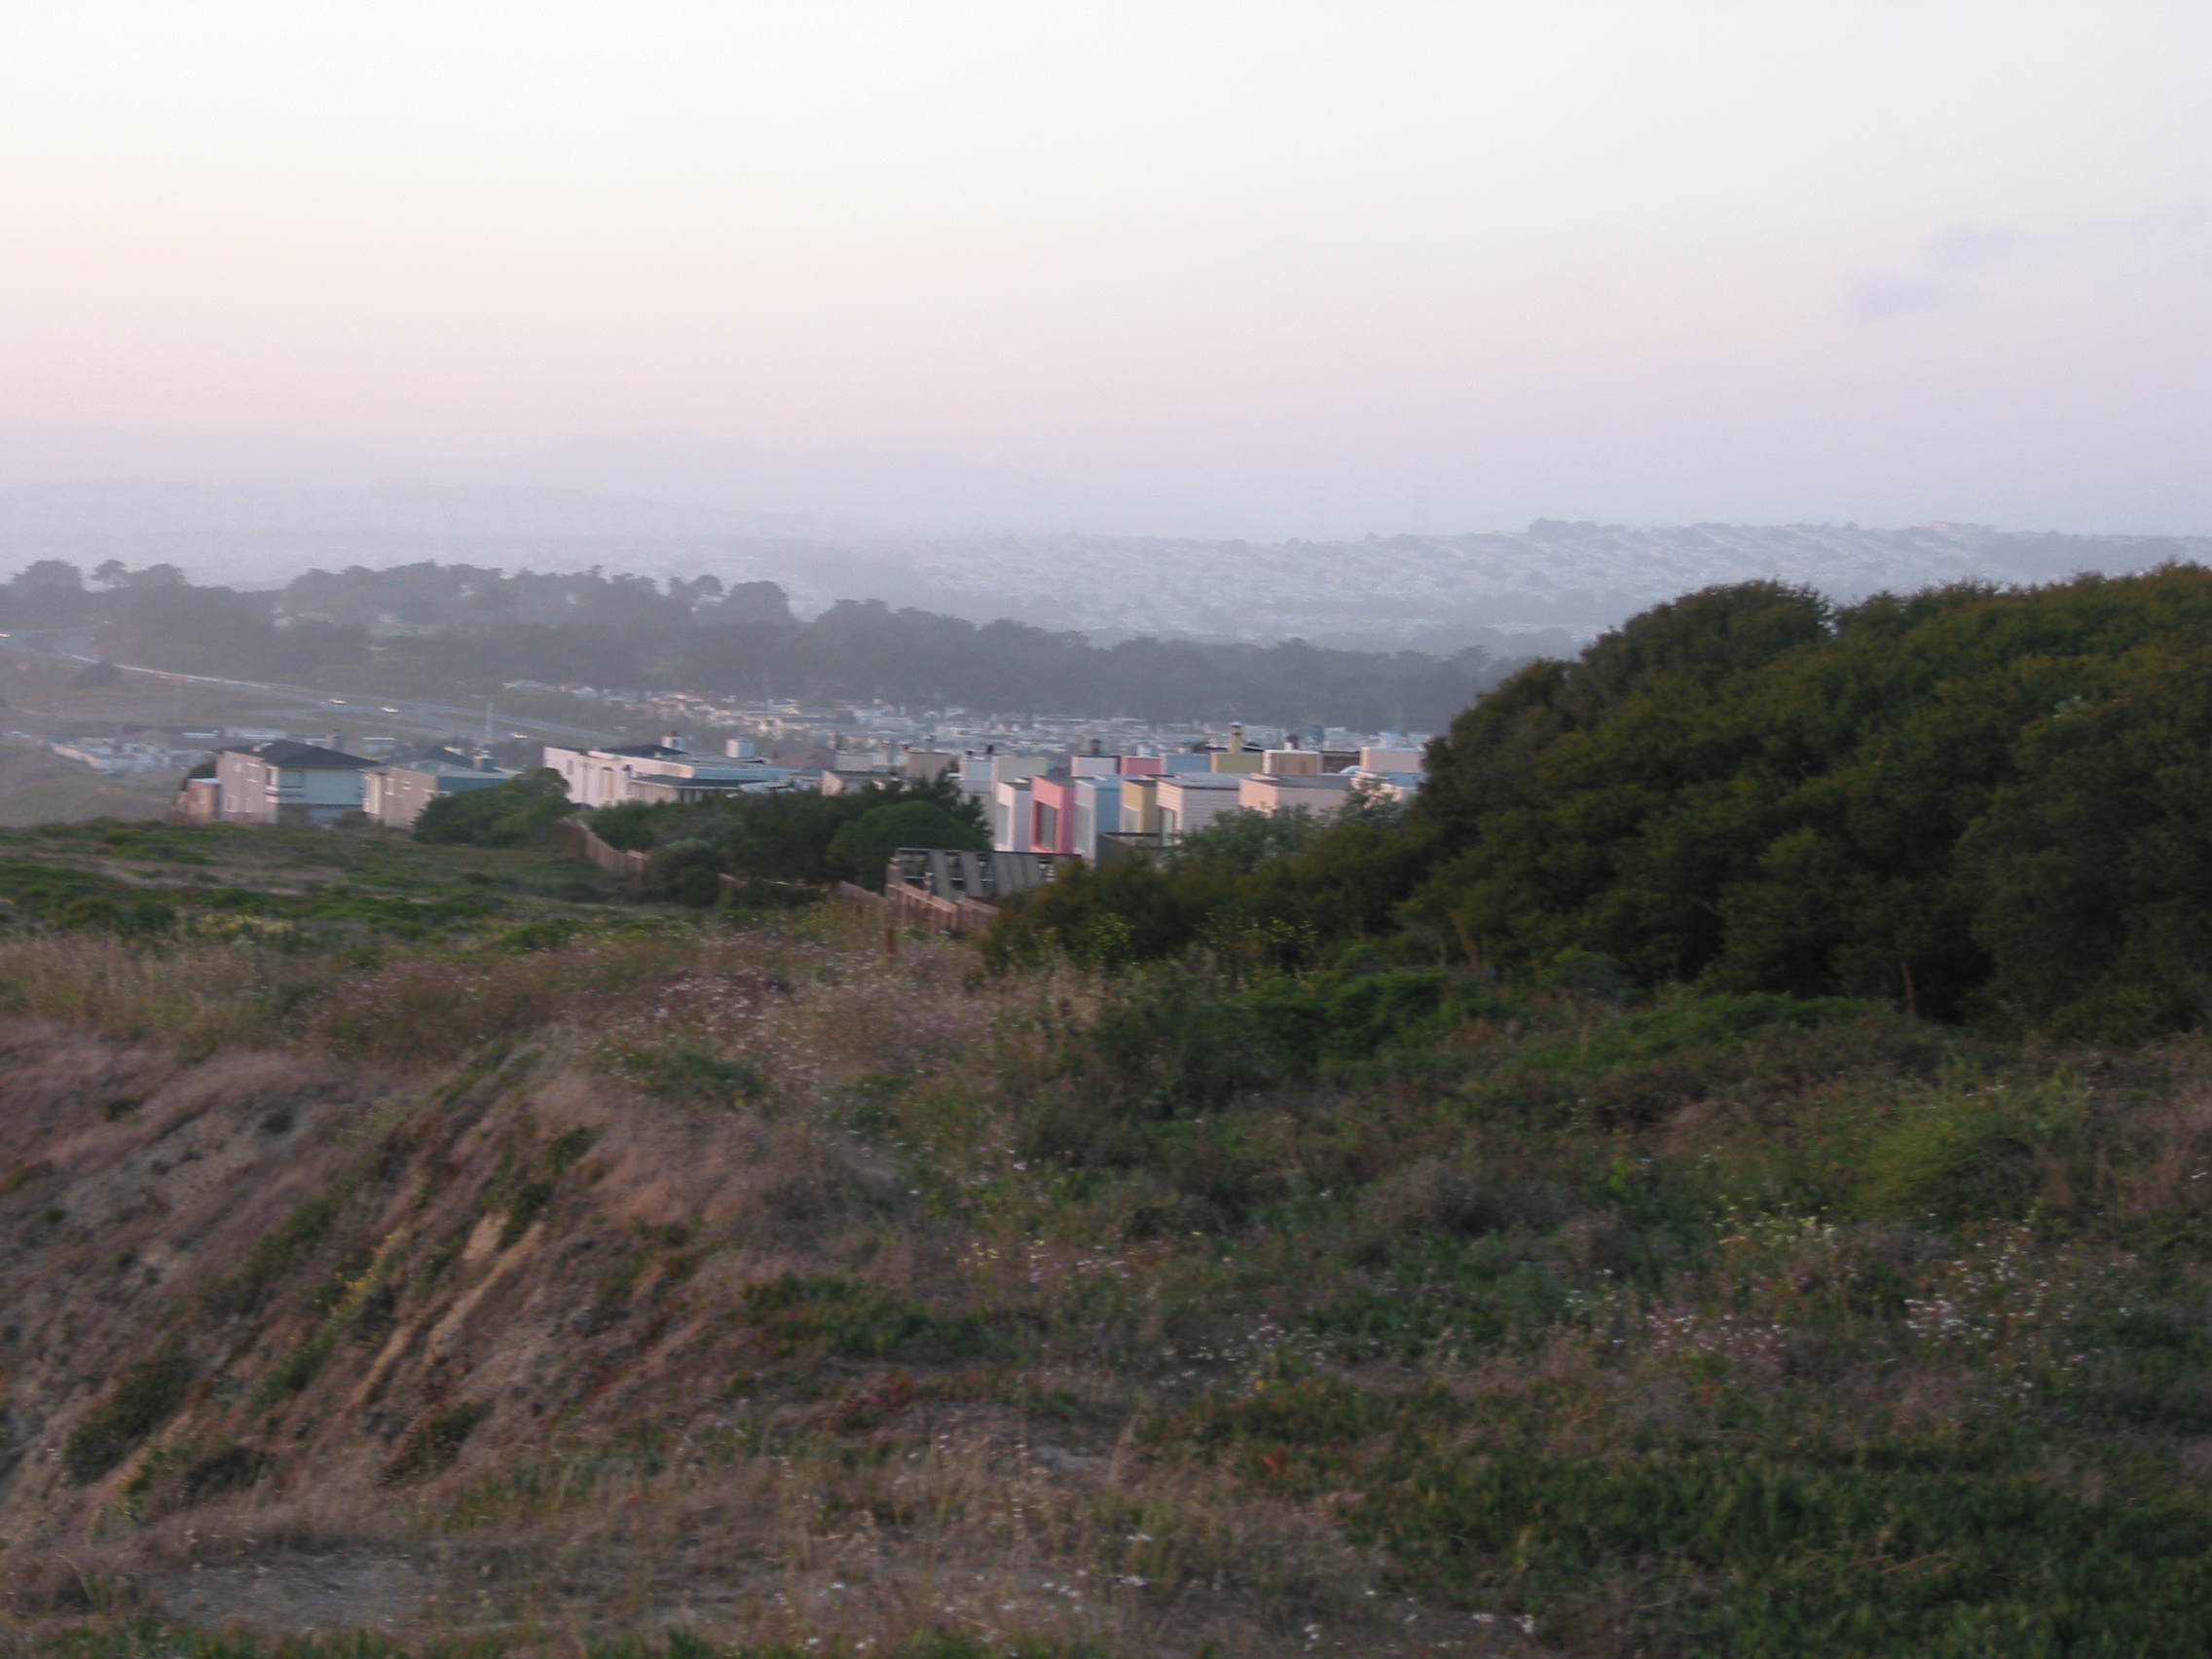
(870, 650)
(1970, 802)
(430, 630)
(518, 813)
(787, 845)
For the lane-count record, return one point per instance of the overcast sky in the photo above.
(1386, 266)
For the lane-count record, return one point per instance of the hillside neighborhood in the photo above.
(1078, 800)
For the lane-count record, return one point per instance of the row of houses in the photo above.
(670, 771)
(1087, 806)
(1094, 806)
(1079, 806)
(287, 781)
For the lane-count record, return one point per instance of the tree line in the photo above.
(428, 630)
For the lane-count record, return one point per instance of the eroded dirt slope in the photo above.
(317, 1349)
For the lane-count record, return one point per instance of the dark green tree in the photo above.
(863, 848)
(518, 813)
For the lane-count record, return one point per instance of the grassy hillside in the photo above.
(431, 1245)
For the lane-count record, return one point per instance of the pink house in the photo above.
(1052, 813)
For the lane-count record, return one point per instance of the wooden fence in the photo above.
(917, 907)
(578, 840)
(904, 906)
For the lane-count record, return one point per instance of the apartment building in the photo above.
(1191, 800)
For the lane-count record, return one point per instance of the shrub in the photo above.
(278, 1251)
(852, 1320)
(1172, 1042)
(143, 1398)
(435, 1441)
(1884, 1550)
(518, 813)
(1959, 1156)
(861, 850)
(688, 1076)
(686, 873)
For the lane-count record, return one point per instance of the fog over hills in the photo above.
(1438, 592)
(1432, 592)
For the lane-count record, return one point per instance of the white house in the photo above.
(608, 777)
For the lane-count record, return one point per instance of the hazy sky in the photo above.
(1380, 265)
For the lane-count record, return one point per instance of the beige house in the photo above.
(394, 796)
(1320, 793)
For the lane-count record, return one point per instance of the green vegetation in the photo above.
(301, 890)
(143, 1398)
(518, 813)
(689, 1075)
(1773, 1550)
(782, 846)
(1967, 803)
(852, 1320)
(288, 1245)
(865, 844)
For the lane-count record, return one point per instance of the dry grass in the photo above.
(197, 997)
(681, 1277)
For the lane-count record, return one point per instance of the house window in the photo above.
(1047, 829)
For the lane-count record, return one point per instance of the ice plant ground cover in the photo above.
(550, 1272)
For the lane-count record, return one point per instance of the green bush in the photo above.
(1959, 1156)
(861, 850)
(143, 1398)
(518, 813)
(783, 838)
(1173, 1043)
(695, 1077)
(280, 1250)
(831, 1314)
(686, 873)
